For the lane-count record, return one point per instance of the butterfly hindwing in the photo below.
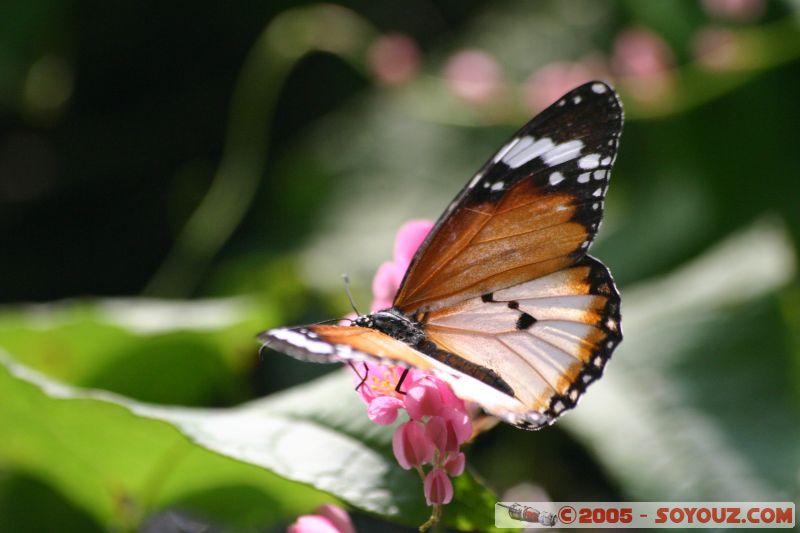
(532, 209)
(549, 338)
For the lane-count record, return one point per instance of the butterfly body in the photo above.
(501, 300)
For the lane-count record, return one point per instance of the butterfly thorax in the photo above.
(394, 323)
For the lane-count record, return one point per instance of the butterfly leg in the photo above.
(400, 381)
(366, 374)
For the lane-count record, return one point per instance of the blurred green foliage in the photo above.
(238, 158)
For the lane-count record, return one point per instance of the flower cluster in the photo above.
(438, 422)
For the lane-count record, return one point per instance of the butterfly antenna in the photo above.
(346, 280)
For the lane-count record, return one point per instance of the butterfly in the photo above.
(501, 300)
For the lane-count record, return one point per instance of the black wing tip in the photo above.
(597, 88)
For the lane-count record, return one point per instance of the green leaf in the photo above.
(123, 459)
(120, 465)
(698, 402)
(140, 348)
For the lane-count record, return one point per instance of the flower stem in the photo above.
(436, 515)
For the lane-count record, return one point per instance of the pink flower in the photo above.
(645, 61)
(411, 445)
(742, 10)
(550, 82)
(473, 75)
(455, 464)
(328, 519)
(390, 274)
(383, 410)
(442, 434)
(394, 58)
(718, 49)
(438, 420)
(438, 488)
(424, 399)
(461, 422)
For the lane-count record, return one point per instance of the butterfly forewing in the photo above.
(532, 209)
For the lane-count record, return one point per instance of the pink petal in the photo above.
(449, 399)
(455, 464)
(369, 371)
(313, 524)
(438, 488)
(461, 423)
(337, 516)
(411, 446)
(408, 240)
(383, 409)
(364, 391)
(385, 284)
(436, 429)
(424, 399)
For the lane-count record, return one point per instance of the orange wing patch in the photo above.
(525, 236)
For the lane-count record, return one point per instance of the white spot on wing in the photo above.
(526, 150)
(475, 180)
(589, 162)
(599, 88)
(584, 178)
(606, 161)
(556, 178)
(576, 100)
(599, 174)
(505, 149)
(563, 152)
(597, 192)
(302, 341)
(498, 186)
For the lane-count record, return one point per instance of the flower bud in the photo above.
(438, 488)
(411, 445)
(455, 464)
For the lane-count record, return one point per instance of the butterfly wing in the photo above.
(547, 338)
(534, 207)
(524, 370)
(332, 344)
